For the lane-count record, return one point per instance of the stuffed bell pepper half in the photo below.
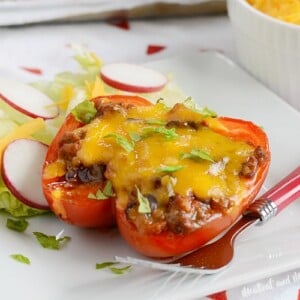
(170, 178)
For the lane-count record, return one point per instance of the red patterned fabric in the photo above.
(35, 71)
(121, 23)
(218, 296)
(152, 49)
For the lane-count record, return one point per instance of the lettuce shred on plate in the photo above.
(67, 90)
(13, 206)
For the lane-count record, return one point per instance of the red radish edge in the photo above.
(8, 87)
(8, 180)
(116, 80)
(24, 111)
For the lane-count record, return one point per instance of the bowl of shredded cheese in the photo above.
(267, 37)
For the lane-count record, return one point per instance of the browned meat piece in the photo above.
(250, 166)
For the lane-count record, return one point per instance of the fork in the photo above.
(217, 255)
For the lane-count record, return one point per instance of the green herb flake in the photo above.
(144, 205)
(160, 100)
(105, 264)
(21, 258)
(120, 271)
(207, 112)
(50, 241)
(169, 134)
(169, 169)
(155, 122)
(110, 264)
(128, 146)
(103, 195)
(135, 137)
(197, 154)
(190, 103)
(17, 225)
(108, 190)
(98, 196)
(84, 112)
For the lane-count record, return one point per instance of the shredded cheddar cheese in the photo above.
(155, 148)
(285, 10)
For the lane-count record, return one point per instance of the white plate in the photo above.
(263, 251)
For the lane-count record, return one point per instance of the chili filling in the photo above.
(169, 167)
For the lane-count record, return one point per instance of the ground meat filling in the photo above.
(184, 214)
(184, 124)
(251, 165)
(69, 145)
(181, 215)
(70, 142)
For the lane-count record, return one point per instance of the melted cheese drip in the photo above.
(140, 167)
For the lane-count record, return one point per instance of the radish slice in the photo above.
(27, 99)
(133, 78)
(22, 163)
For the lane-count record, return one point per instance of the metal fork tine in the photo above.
(181, 281)
(163, 286)
(162, 266)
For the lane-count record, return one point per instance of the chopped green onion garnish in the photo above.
(17, 225)
(208, 112)
(105, 264)
(205, 111)
(155, 122)
(120, 271)
(103, 195)
(98, 196)
(135, 137)
(21, 258)
(108, 191)
(144, 206)
(197, 154)
(128, 146)
(110, 264)
(84, 112)
(169, 169)
(169, 134)
(50, 241)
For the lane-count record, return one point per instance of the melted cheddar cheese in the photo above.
(139, 145)
(285, 10)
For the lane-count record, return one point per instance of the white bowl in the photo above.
(268, 48)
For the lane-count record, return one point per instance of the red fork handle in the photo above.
(285, 191)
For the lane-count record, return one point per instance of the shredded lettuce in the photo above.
(6, 126)
(67, 89)
(88, 60)
(9, 113)
(70, 88)
(11, 205)
(21, 258)
(50, 241)
(19, 225)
